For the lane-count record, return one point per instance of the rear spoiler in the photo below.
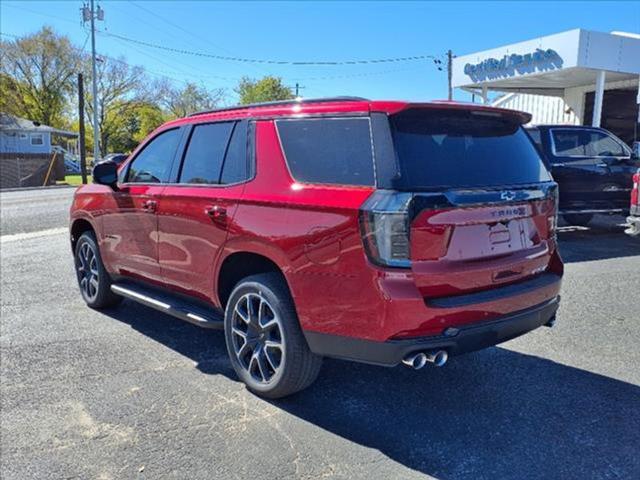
(518, 116)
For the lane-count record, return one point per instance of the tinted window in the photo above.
(602, 145)
(570, 143)
(205, 152)
(445, 148)
(153, 164)
(235, 167)
(336, 150)
(585, 143)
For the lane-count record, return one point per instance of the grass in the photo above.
(75, 179)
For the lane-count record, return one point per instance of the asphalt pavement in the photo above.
(131, 393)
(34, 210)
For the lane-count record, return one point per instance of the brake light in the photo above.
(384, 221)
(552, 215)
(634, 192)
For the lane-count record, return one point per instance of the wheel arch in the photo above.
(78, 227)
(240, 264)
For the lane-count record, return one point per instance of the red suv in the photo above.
(374, 231)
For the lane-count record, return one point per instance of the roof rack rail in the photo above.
(282, 103)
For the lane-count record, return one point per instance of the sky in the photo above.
(314, 31)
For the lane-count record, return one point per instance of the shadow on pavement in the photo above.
(491, 414)
(603, 238)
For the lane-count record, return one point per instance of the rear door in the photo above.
(482, 211)
(130, 222)
(197, 211)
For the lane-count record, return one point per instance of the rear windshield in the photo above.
(447, 148)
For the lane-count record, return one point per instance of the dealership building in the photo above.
(577, 77)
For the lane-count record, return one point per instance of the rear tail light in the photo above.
(552, 215)
(384, 220)
(636, 187)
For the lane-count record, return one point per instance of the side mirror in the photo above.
(635, 151)
(106, 173)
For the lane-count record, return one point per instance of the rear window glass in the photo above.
(332, 150)
(446, 148)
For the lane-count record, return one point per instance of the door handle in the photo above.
(602, 165)
(557, 164)
(149, 206)
(216, 213)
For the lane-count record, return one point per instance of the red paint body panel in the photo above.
(190, 239)
(312, 232)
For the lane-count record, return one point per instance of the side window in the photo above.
(37, 139)
(569, 143)
(153, 163)
(236, 166)
(205, 153)
(602, 145)
(332, 150)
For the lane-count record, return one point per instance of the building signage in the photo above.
(510, 65)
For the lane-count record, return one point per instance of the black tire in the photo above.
(581, 219)
(89, 267)
(297, 368)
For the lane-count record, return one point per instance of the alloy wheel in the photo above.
(257, 338)
(88, 275)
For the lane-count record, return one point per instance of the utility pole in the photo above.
(91, 14)
(298, 88)
(450, 72)
(83, 153)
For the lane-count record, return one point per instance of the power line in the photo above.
(269, 61)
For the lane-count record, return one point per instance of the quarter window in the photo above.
(153, 163)
(204, 156)
(333, 151)
(236, 166)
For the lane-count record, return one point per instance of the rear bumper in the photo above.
(465, 339)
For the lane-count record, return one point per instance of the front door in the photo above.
(130, 222)
(196, 214)
(591, 168)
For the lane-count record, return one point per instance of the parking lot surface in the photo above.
(131, 393)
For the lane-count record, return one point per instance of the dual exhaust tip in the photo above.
(420, 359)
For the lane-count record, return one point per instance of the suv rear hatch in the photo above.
(468, 205)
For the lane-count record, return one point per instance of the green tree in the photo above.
(180, 102)
(38, 76)
(264, 90)
(150, 117)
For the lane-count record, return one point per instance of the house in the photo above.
(19, 135)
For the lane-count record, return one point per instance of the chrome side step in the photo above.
(174, 306)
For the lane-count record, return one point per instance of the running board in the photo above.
(171, 305)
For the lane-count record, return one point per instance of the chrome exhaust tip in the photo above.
(415, 360)
(437, 357)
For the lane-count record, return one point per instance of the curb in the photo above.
(26, 189)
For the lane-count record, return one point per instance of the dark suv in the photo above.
(593, 168)
(375, 231)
